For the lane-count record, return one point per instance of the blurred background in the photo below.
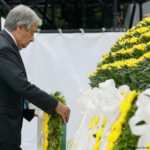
(86, 14)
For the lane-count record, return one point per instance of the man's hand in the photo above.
(64, 111)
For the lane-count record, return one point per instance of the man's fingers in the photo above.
(64, 120)
(64, 111)
(66, 116)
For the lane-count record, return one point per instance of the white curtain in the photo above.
(62, 62)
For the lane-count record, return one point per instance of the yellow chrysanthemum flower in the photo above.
(110, 146)
(142, 30)
(148, 147)
(94, 122)
(133, 40)
(96, 146)
(147, 55)
(147, 19)
(46, 118)
(104, 57)
(117, 126)
(139, 47)
(121, 43)
(147, 35)
(45, 145)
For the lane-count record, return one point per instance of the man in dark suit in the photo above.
(20, 25)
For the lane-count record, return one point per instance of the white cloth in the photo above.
(142, 114)
(104, 102)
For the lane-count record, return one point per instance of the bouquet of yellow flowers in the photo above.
(128, 63)
(52, 128)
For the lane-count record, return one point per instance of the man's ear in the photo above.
(19, 28)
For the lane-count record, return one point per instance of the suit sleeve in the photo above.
(12, 73)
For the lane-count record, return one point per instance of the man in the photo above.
(20, 25)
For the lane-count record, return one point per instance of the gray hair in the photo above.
(21, 15)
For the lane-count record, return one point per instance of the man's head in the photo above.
(22, 22)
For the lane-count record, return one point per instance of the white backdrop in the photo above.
(61, 62)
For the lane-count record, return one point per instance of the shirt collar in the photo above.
(11, 35)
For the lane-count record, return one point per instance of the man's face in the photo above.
(25, 36)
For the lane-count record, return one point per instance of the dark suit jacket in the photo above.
(14, 88)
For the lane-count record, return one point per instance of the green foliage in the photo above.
(55, 126)
(136, 78)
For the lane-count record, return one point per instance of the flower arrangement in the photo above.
(104, 110)
(128, 63)
(118, 125)
(52, 128)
